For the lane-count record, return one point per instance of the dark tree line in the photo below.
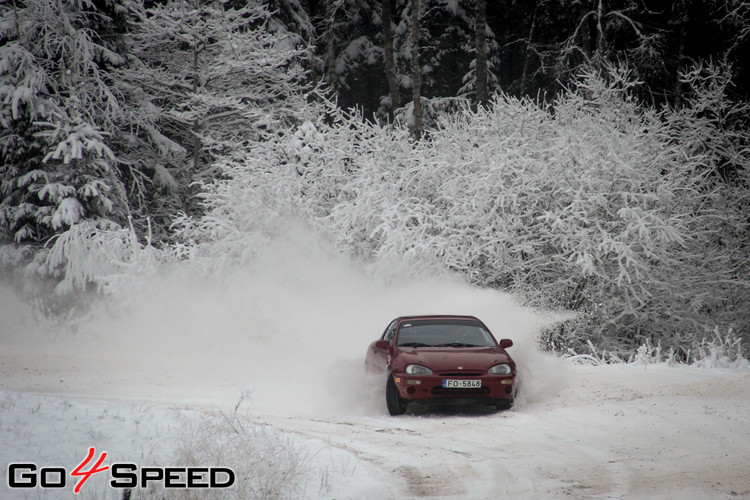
(527, 48)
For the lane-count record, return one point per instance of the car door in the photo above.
(377, 355)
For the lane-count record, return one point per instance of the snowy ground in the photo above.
(612, 432)
(276, 350)
(609, 432)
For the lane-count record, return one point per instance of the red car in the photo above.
(443, 359)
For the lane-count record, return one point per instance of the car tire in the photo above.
(396, 405)
(507, 404)
(504, 404)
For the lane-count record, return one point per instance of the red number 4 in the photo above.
(85, 474)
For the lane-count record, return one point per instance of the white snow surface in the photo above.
(281, 342)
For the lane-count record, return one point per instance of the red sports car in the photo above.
(441, 359)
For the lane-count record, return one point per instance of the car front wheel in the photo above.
(396, 405)
(504, 404)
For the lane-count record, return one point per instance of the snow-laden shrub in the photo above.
(94, 252)
(266, 463)
(721, 351)
(580, 204)
(713, 131)
(299, 172)
(649, 354)
(593, 203)
(593, 358)
(714, 351)
(242, 210)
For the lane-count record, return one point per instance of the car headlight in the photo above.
(418, 370)
(501, 369)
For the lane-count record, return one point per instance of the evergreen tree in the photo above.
(58, 111)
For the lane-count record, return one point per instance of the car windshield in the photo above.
(444, 333)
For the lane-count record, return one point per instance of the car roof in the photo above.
(437, 316)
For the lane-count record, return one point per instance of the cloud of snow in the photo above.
(288, 331)
(20, 326)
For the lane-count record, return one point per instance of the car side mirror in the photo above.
(505, 343)
(382, 344)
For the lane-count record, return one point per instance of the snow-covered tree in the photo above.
(110, 111)
(389, 63)
(416, 70)
(603, 24)
(481, 78)
(57, 112)
(65, 204)
(209, 80)
(350, 50)
(447, 57)
(480, 26)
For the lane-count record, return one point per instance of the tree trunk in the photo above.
(331, 55)
(601, 42)
(390, 65)
(188, 204)
(196, 121)
(680, 57)
(481, 48)
(416, 73)
(527, 58)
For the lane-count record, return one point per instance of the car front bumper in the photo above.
(430, 387)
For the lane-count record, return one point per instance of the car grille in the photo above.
(461, 374)
(442, 391)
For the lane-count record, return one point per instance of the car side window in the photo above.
(390, 331)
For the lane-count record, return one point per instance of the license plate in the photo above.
(451, 383)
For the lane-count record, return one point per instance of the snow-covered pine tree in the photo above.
(57, 113)
(447, 56)
(64, 203)
(486, 57)
(349, 50)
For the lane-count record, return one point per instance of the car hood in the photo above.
(450, 358)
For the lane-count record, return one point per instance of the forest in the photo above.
(588, 156)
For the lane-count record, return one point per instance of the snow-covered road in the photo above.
(618, 431)
(613, 432)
